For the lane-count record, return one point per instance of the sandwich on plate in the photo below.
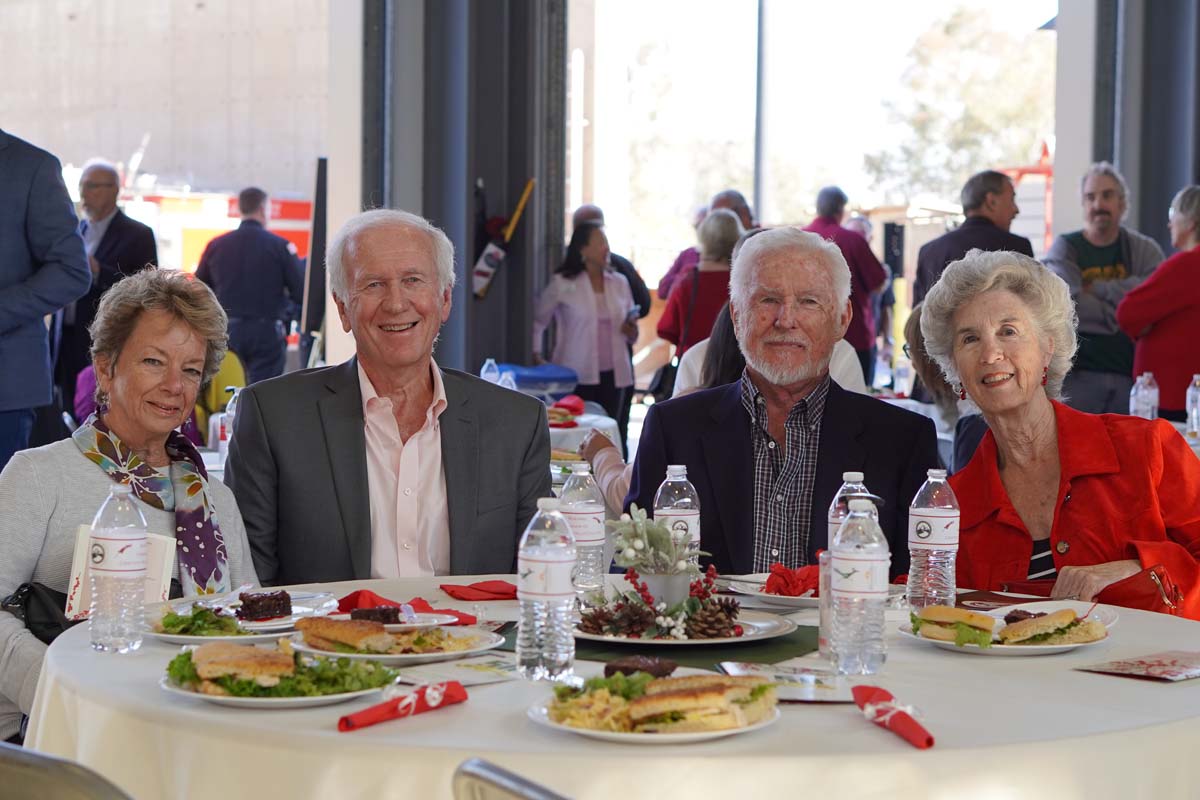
(702, 703)
(949, 624)
(1059, 627)
(217, 660)
(345, 635)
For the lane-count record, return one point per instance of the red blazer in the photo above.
(1129, 489)
(866, 275)
(711, 297)
(1163, 315)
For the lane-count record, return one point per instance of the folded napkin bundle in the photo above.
(879, 706)
(424, 698)
(481, 590)
(365, 598)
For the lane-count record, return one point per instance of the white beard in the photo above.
(779, 375)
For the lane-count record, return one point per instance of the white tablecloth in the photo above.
(571, 438)
(1005, 728)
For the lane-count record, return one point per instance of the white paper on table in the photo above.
(475, 671)
(160, 562)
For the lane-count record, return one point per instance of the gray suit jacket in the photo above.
(297, 465)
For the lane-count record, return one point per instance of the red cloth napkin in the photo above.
(572, 403)
(365, 598)
(483, 590)
(420, 700)
(881, 707)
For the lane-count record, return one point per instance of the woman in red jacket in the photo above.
(1163, 313)
(718, 234)
(1052, 493)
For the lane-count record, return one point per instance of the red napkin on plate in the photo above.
(420, 700)
(880, 707)
(482, 590)
(365, 598)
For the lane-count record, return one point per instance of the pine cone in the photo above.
(596, 621)
(730, 606)
(632, 620)
(710, 622)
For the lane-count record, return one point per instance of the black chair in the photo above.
(476, 779)
(26, 773)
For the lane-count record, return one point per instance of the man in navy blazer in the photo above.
(42, 268)
(766, 454)
(117, 247)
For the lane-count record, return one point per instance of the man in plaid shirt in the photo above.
(766, 454)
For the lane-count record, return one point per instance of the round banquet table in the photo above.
(1006, 728)
(571, 438)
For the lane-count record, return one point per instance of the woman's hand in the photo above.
(630, 329)
(1084, 583)
(593, 443)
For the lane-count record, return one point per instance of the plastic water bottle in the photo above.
(545, 561)
(859, 563)
(825, 605)
(117, 565)
(839, 509)
(582, 504)
(490, 371)
(1149, 396)
(508, 380)
(227, 420)
(1193, 408)
(1137, 396)
(677, 506)
(932, 543)
(902, 377)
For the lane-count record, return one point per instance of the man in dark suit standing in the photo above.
(989, 200)
(766, 454)
(254, 274)
(387, 465)
(117, 246)
(42, 269)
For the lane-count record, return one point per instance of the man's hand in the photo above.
(1084, 583)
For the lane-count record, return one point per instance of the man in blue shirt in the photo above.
(254, 273)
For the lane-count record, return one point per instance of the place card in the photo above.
(1171, 665)
(796, 684)
(494, 668)
(160, 564)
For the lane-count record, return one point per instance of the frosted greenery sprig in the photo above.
(647, 546)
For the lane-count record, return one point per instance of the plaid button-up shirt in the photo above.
(783, 481)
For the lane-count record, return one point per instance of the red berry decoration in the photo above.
(738, 630)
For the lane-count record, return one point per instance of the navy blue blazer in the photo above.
(975, 232)
(42, 267)
(251, 270)
(709, 431)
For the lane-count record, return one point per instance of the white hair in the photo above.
(1046, 295)
(101, 164)
(443, 250)
(802, 246)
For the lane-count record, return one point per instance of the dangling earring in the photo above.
(1045, 375)
(962, 392)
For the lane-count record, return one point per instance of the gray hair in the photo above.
(439, 243)
(831, 202)
(979, 186)
(1045, 293)
(1187, 205)
(160, 290)
(718, 234)
(802, 246)
(1106, 168)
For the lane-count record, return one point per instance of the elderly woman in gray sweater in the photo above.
(156, 339)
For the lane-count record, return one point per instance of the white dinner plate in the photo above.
(486, 641)
(1103, 614)
(808, 601)
(756, 625)
(264, 702)
(998, 649)
(423, 622)
(184, 638)
(540, 713)
(304, 604)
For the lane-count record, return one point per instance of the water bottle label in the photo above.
(933, 529)
(586, 526)
(110, 553)
(683, 525)
(859, 576)
(542, 577)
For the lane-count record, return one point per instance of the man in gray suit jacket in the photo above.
(387, 465)
(42, 269)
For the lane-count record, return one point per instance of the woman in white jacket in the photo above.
(593, 308)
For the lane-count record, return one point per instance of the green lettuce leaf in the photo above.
(1041, 637)
(965, 634)
(201, 622)
(915, 620)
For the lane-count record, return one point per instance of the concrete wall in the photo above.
(1074, 108)
(230, 92)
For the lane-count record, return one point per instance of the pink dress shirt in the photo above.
(571, 302)
(410, 523)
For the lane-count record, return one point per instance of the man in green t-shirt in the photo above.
(1100, 264)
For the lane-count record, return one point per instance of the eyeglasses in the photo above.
(907, 352)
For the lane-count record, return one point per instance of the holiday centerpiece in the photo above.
(668, 597)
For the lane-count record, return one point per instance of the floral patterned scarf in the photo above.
(202, 554)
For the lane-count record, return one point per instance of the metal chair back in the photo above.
(27, 773)
(476, 779)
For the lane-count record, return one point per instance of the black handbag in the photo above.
(40, 608)
(662, 385)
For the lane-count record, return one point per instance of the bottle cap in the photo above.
(547, 504)
(937, 474)
(852, 477)
(676, 470)
(861, 504)
(580, 468)
(120, 488)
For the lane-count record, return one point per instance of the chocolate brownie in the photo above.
(388, 615)
(264, 605)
